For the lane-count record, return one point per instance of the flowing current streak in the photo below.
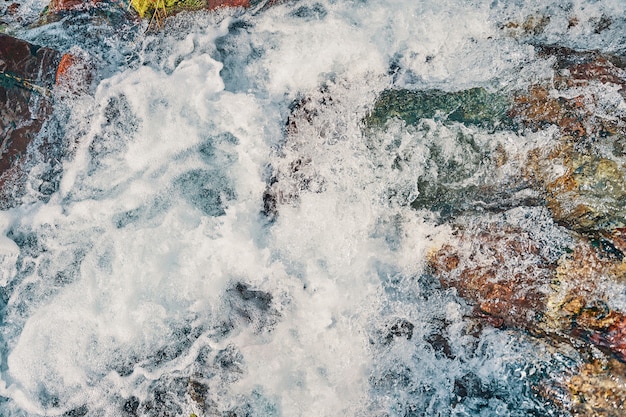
(151, 283)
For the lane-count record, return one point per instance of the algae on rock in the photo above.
(146, 7)
(475, 106)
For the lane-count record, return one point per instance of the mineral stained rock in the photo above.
(581, 178)
(561, 101)
(503, 272)
(596, 388)
(588, 191)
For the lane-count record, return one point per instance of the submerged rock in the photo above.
(596, 388)
(501, 271)
(584, 191)
(294, 172)
(505, 273)
(581, 178)
(475, 106)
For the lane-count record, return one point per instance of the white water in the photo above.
(133, 281)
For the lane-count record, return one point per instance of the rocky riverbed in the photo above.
(434, 232)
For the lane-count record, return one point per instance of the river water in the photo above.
(151, 278)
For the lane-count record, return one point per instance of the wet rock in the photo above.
(581, 178)
(568, 58)
(29, 75)
(74, 73)
(130, 406)
(440, 344)
(501, 270)
(400, 329)
(584, 191)
(161, 8)
(505, 274)
(13, 9)
(58, 6)
(206, 189)
(197, 391)
(294, 172)
(561, 103)
(538, 109)
(470, 385)
(253, 307)
(475, 106)
(570, 100)
(230, 360)
(396, 329)
(533, 25)
(596, 388)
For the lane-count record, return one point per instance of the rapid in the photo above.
(155, 277)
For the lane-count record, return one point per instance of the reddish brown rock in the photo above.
(57, 6)
(601, 70)
(538, 109)
(584, 185)
(560, 102)
(215, 4)
(502, 272)
(13, 9)
(28, 76)
(74, 74)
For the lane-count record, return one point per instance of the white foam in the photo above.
(157, 220)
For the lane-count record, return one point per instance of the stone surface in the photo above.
(509, 275)
(161, 8)
(504, 273)
(27, 75)
(584, 191)
(475, 106)
(581, 178)
(596, 388)
(58, 6)
(501, 271)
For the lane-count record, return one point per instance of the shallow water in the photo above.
(151, 280)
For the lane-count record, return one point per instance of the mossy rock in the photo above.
(147, 7)
(475, 106)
